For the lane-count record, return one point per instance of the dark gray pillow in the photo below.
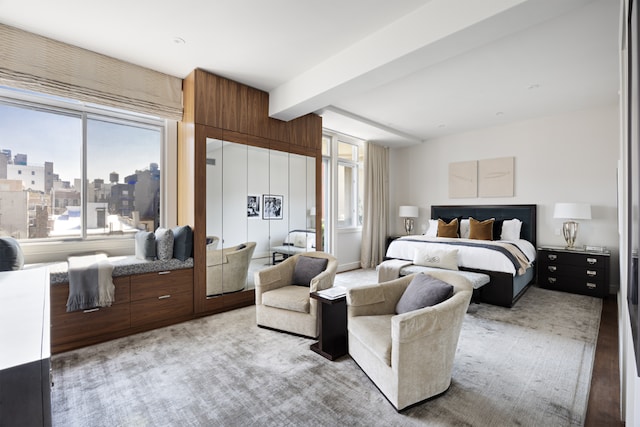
(182, 242)
(164, 243)
(423, 291)
(11, 257)
(307, 268)
(146, 245)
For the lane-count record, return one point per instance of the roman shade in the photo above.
(32, 62)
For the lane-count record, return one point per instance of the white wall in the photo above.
(561, 158)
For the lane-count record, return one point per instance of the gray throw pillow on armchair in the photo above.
(307, 268)
(423, 291)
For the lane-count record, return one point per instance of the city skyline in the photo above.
(112, 147)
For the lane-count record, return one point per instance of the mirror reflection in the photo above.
(260, 210)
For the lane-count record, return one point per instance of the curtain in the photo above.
(32, 62)
(376, 205)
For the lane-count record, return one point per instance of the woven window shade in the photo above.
(29, 61)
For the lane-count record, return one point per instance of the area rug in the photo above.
(528, 366)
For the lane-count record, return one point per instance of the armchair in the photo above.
(287, 307)
(227, 268)
(408, 356)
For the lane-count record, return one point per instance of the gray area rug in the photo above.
(529, 365)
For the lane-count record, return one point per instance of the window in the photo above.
(350, 188)
(84, 160)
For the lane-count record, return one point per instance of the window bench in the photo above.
(148, 295)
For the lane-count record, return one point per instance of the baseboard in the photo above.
(348, 267)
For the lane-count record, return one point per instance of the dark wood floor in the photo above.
(604, 398)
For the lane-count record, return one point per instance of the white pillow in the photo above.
(464, 228)
(432, 231)
(511, 229)
(440, 258)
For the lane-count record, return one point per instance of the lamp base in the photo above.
(408, 225)
(570, 232)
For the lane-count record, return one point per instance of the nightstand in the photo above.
(574, 270)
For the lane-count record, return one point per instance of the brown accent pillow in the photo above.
(448, 230)
(481, 230)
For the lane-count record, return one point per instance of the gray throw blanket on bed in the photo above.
(90, 282)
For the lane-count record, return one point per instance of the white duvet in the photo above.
(468, 256)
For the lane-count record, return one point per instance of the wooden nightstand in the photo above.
(574, 270)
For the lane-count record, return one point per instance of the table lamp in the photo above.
(571, 212)
(408, 213)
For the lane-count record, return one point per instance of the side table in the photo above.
(332, 315)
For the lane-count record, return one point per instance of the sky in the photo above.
(57, 138)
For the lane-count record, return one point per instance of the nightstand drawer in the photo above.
(596, 288)
(565, 258)
(573, 271)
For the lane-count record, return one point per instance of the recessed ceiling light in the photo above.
(178, 40)
(499, 113)
(442, 125)
(534, 86)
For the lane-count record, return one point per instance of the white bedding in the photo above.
(468, 256)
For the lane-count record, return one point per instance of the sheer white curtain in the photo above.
(29, 61)
(376, 205)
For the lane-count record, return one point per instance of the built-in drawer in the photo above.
(77, 325)
(161, 308)
(156, 285)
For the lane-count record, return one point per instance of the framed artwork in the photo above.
(272, 206)
(463, 179)
(253, 206)
(495, 177)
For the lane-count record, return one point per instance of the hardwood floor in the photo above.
(604, 398)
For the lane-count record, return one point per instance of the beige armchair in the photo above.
(227, 268)
(287, 307)
(408, 356)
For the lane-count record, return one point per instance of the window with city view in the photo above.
(49, 147)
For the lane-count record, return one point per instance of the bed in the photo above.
(510, 264)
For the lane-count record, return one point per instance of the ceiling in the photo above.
(398, 73)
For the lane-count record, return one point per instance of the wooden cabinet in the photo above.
(156, 297)
(143, 302)
(575, 270)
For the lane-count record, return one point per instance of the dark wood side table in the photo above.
(332, 315)
(574, 270)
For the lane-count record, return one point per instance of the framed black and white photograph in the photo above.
(271, 206)
(253, 206)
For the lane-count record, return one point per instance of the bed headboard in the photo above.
(525, 213)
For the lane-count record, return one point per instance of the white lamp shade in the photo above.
(572, 211)
(408, 212)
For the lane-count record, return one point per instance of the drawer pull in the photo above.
(592, 261)
(591, 285)
(552, 268)
(164, 272)
(552, 257)
(164, 296)
(91, 310)
(592, 273)
(551, 279)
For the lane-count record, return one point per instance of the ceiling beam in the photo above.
(431, 34)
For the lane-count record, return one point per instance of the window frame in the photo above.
(85, 112)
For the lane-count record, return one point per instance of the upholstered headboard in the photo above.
(525, 213)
